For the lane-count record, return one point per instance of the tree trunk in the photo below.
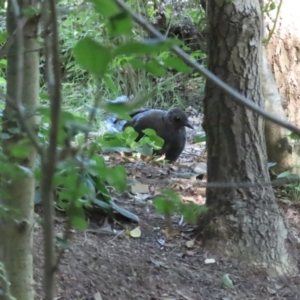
(283, 56)
(18, 191)
(279, 146)
(248, 220)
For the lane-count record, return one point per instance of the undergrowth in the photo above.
(80, 88)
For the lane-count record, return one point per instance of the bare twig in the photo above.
(209, 75)
(53, 74)
(267, 40)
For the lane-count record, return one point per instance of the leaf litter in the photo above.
(116, 260)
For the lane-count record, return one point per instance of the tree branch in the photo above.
(53, 74)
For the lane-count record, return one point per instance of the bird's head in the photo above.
(178, 118)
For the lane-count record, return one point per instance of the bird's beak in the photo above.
(189, 125)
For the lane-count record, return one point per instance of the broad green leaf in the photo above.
(271, 164)
(107, 8)
(284, 174)
(92, 56)
(110, 84)
(3, 36)
(62, 243)
(145, 150)
(227, 281)
(102, 190)
(5, 136)
(272, 5)
(177, 64)
(116, 177)
(3, 62)
(152, 67)
(117, 149)
(77, 217)
(21, 149)
(120, 24)
(130, 134)
(201, 138)
(191, 211)
(44, 96)
(294, 136)
(124, 212)
(163, 205)
(102, 204)
(155, 140)
(78, 222)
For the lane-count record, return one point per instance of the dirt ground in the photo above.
(105, 262)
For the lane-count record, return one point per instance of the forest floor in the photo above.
(105, 262)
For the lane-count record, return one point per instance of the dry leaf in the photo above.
(136, 232)
(139, 188)
(97, 296)
(190, 244)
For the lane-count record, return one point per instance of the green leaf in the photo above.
(156, 141)
(102, 204)
(227, 281)
(107, 8)
(21, 149)
(44, 96)
(102, 191)
(294, 136)
(92, 56)
(110, 84)
(120, 24)
(129, 134)
(62, 243)
(122, 108)
(164, 205)
(284, 174)
(5, 136)
(177, 64)
(145, 150)
(152, 67)
(3, 36)
(91, 195)
(271, 164)
(200, 138)
(116, 177)
(124, 212)
(191, 211)
(77, 217)
(272, 5)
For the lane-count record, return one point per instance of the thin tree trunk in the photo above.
(244, 222)
(18, 191)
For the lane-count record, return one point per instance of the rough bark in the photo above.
(283, 55)
(16, 227)
(249, 220)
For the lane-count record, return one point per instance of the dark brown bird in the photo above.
(169, 125)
